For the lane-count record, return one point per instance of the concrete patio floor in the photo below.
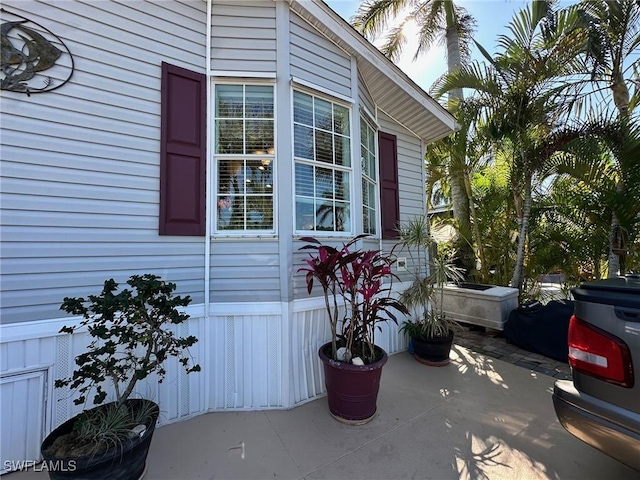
(477, 418)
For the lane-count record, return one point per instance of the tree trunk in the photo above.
(620, 94)
(476, 231)
(459, 197)
(614, 259)
(518, 272)
(464, 243)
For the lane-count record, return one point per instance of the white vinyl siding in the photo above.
(365, 98)
(80, 176)
(243, 36)
(245, 270)
(316, 60)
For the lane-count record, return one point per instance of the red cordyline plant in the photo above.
(352, 281)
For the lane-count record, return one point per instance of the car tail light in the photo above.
(594, 352)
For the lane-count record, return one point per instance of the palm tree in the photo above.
(439, 22)
(613, 40)
(522, 92)
(458, 156)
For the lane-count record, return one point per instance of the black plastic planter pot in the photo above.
(352, 390)
(127, 461)
(433, 351)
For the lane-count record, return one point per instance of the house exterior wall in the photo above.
(243, 36)
(80, 165)
(80, 199)
(411, 180)
(366, 100)
(317, 60)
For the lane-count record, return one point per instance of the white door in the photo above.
(22, 406)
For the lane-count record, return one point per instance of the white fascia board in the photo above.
(364, 49)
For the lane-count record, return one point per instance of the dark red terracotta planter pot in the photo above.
(352, 390)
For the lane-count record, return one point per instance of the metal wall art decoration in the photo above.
(34, 60)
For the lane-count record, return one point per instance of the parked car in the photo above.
(601, 404)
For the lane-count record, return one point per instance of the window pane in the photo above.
(342, 185)
(229, 136)
(259, 177)
(364, 162)
(259, 213)
(342, 217)
(365, 220)
(324, 147)
(343, 151)
(372, 170)
(303, 142)
(259, 101)
(231, 177)
(323, 114)
(259, 136)
(232, 217)
(324, 183)
(369, 218)
(229, 101)
(366, 197)
(325, 216)
(340, 119)
(305, 219)
(363, 132)
(372, 141)
(304, 179)
(303, 108)
(372, 194)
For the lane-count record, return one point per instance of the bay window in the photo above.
(323, 171)
(244, 156)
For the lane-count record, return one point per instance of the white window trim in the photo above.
(377, 207)
(313, 89)
(316, 91)
(213, 175)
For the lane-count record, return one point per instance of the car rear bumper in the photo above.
(612, 430)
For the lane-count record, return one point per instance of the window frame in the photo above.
(216, 158)
(365, 178)
(350, 169)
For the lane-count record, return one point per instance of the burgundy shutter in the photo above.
(390, 200)
(182, 152)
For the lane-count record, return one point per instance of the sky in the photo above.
(492, 17)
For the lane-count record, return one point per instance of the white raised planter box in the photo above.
(483, 305)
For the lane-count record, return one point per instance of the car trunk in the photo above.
(612, 306)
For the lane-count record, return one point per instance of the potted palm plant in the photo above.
(132, 336)
(356, 285)
(431, 331)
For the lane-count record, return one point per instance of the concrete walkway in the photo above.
(493, 344)
(477, 418)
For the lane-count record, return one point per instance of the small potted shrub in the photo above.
(431, 332)
(357, 299)
(131, 339)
